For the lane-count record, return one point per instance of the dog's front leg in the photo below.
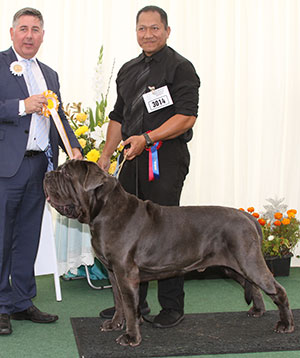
(128, 283)
(118, 320)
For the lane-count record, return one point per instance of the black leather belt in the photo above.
(32, 153)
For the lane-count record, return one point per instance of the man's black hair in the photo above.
(162, 13)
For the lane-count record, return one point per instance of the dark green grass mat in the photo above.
(197, 334)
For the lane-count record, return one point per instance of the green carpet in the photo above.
(31, 340)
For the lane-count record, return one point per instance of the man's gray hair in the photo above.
(28, 11)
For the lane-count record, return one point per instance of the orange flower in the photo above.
(262, 222)
(277, 223)
(278, 215)
(251, 209)
(241, 209)
(286, 221)
(256, 215)
(291, 213)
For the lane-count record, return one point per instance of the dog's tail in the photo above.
(248, 293)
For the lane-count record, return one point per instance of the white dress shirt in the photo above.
(31, 144)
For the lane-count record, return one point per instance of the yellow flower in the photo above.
(112, 167)
(93, 155)
(82, 142)
(81, 117)
(81, 130)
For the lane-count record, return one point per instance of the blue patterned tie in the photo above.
(42, 131)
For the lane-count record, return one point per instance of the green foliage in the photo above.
(279, 226)
(280, 240)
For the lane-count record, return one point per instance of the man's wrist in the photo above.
(149, 141)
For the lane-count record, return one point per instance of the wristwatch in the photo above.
(149, 142)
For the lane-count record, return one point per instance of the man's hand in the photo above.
(137, 145)
(77, 153)
(34, 104)
(104, 162)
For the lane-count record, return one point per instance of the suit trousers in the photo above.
(21, 211)
(174, 160)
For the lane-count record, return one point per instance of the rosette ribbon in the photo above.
(153, 161)
(52, 109)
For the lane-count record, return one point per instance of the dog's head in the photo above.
(78, 189)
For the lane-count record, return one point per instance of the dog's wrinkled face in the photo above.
(71, 189)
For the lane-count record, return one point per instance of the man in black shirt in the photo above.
(155, 128)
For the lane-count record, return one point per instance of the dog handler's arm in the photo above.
(77, 153)
(172, 128)
(113, 139)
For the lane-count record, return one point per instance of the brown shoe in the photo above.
(35, 315)
(5, 326)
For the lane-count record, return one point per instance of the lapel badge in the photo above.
(17, 68)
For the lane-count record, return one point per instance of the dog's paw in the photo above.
(282, 327)
(254, 312)
(127, 340)
(111, 325)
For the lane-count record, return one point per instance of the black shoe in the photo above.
(109, 312)
(5, 326)
(167, 318)
(35, 315)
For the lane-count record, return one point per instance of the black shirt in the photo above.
(169, 68)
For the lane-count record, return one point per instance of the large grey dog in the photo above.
(141, 241)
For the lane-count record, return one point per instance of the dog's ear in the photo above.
(94, 178)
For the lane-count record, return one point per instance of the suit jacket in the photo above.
(14, 129)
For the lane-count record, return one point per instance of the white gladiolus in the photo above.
(98, 82)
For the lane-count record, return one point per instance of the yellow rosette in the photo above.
(51, 109)
(53, 103)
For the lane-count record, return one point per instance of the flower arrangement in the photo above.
(90, 128)
(280, 228)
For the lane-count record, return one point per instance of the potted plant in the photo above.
(281, 234)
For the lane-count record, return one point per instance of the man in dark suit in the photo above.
(24, 160)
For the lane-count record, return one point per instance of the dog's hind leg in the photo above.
(286, 323)
(252, 293)
(258, 308)
(261, 276)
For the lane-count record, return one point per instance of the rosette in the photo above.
(53, 103)
(52, 109)
(153, 163)
(17, 68)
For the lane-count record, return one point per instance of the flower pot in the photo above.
(279, 266)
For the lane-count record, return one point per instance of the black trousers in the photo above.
(174, 160)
